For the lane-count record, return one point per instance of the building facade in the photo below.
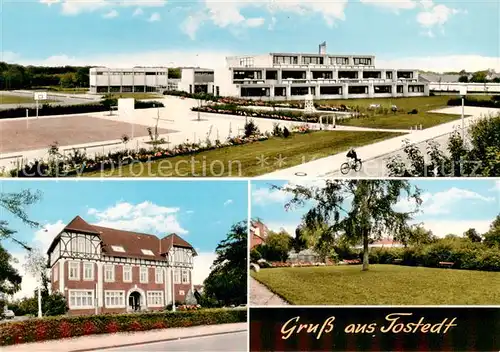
(258, 233)
(292, 76)
(197, 80)
(129, 80)
(104, 270)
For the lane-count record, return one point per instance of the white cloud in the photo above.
(444, 202)
(191, 24)
(155, 17)
(441, 228)
(144, 217)
(229, 14)
(75, 7)
(189, 211)
(202, 264)
(138, 11)
(266, 195)
(496, 187)
(289, 227)
(435, 16)
(272, 24)
(392, 4)
(111, 14)
(227, 202)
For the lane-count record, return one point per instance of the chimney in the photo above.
(322, 48)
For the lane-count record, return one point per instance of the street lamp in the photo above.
(463, 93)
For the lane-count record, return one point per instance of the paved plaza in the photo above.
(19, 135)
(29, 139)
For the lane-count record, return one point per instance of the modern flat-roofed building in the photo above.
(105, 270)
(292, 76)
(197, 80)
(128, 80)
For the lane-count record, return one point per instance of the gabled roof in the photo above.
(177, 241)
(133, 243)
(80, 225)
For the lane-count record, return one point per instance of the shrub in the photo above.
(469, 101)
(47, 109)
(286, 132)
(60, 327)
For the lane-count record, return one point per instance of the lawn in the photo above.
(382, 285)
(243, 160)
(15, 99)
(402, 120)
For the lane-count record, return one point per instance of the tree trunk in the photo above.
(365, 251)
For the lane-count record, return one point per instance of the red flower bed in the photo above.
(51, 328)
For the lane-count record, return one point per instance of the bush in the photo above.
(48, 110)
(51, 328)
(469, 101)
(465, 254)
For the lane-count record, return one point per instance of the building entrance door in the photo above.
(134, 301)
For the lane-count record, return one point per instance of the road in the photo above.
(235, 341)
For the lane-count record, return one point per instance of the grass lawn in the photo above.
(15, 99)
(401, 121)
(382, 285)
(243, 160)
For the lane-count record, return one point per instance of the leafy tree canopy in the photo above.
(227, 281)
(361, 209)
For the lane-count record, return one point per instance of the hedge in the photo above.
(52, 328)
(47, 110)
(470, 256)
(493, 103)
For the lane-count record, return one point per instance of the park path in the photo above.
(261, 296)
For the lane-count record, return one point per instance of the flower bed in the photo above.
(67, 167)
(295, 265)
(350, 262)
(189, 307)
(229, 109)
(51, 328)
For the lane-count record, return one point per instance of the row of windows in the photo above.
(319, 60)
(180, 276)
(85, 299)
(114, 73)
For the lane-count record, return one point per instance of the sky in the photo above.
(448, 206)
(201, 212)
(440, 35)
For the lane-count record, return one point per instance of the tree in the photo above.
(299, 243)
(321, 238)
(36, 265)
(370, 213)
(10, 279)
(492, 237)
(277, 246)
(415, 235)
(479, 77)
(16, 204)
(463, 79)
(479, 157)
(68, 80)
(227, 281)
(472, 235)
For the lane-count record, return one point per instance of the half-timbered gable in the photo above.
(118, 270)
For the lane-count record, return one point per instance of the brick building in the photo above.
(258, 233)
(104, 270)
